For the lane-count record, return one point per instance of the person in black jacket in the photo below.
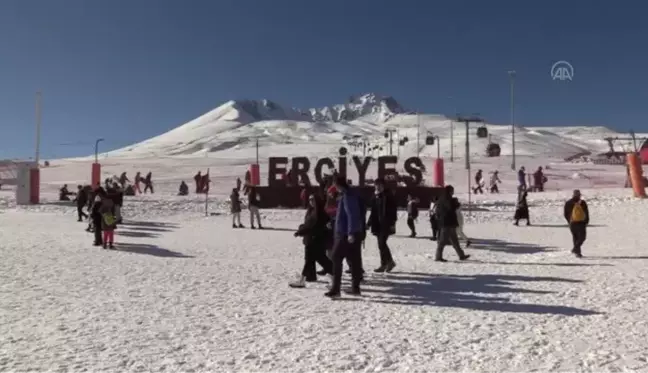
(522, 208)
(314, 232)
(446, 211)
(382, 222)
(148, 182)
(81, 201)
(95, 214)
(577, 215)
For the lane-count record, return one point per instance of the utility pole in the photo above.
(452, 134)
(418, 134)
(389, 134)
(512, 81)
(38, 127)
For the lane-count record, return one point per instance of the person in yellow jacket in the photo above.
(577, 215)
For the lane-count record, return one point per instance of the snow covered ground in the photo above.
(185, 292)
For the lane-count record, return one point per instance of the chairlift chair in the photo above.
(429, 140)
(482, 132)
(493, 150)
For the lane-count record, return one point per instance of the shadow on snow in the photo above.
(563, 225)
(508, 247)
(136, 234)
(137, 248)
(476, 292)
(149, 224)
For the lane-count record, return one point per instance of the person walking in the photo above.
(447, 215)
(522, 182)
(412, 214)
(434, 221)
(522, 208)
(138, 180)
(382, 222)
(314, 232)
(148, 182)
(479, 182)
(81, 201)
(235, 209)
(577, 216)
(349, 230)
(494, 181)
(460, 224)
(123, 179)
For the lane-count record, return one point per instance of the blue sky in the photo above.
(127, 70)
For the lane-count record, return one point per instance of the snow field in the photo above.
(188, 293)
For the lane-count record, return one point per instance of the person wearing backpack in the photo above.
(108, 220)
(577, 215)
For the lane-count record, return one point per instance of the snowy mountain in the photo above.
(239, 124)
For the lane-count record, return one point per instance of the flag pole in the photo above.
(38, 127)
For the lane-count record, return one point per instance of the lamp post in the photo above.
(512, 83)
(38, 127)
(97, 150)
(418, 134)
(452, 135)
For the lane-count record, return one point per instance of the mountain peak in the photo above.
(383, 107)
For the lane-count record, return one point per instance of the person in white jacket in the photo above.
(460, 231)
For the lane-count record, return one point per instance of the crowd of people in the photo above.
(102, 205)
(539, 180)
(335, 226)
(334, 229)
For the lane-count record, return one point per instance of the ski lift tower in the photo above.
(467, 120)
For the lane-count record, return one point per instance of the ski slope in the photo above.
(240, 124)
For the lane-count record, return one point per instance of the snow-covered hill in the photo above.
(238, 125)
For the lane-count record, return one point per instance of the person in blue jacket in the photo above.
(349, 232)
(522, 184)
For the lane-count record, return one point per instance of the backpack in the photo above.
(578, 213)
(109, 219)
